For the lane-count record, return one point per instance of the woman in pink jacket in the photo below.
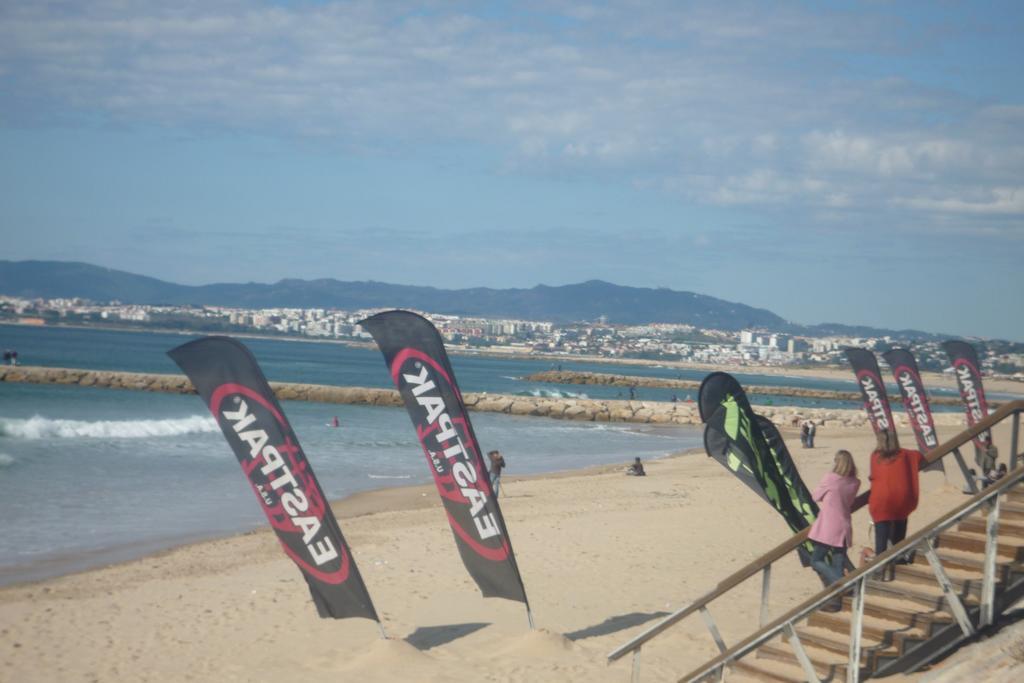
(832, 530)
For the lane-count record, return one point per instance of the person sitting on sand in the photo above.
(832, 531)
(996, 474)
(636, 469)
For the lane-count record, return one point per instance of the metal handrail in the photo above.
(850, 580)
(763, 563)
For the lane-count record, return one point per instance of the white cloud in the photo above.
(996, 201)
(842, 151)
(727, 105)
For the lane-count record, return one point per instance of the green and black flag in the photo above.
(751, 447)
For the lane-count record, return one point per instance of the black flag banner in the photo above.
(415, 356)
(231, 383)
(915, 401)
(750, 447)
(872, 388)
(964, 360)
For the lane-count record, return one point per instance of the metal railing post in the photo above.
(1013, 441)
(856, 630)
(766, 578)
(971, 484)
(988, 582)
(801, 654)
(952, 598)
(635, 678)
(710, 623)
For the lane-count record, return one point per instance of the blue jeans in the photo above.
(832, 571)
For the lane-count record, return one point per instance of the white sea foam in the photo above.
(552, 393)
(388, 476)
(38, 427)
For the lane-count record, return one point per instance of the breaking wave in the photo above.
(5, 460)
(44, 428)
(552, 393)
(389, 476)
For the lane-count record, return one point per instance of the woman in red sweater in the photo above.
(894, 489)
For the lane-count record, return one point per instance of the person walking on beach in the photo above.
(811, 430)
(832, 531)
(497, 465)
(895, 489)
(804, 434)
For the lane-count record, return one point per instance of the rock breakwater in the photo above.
(593, 410)
(607, 379)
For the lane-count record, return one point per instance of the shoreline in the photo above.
(367, 502)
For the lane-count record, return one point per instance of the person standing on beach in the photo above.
(833, 530)
(497, 465)
(894, 491)
(804, 433)
(987, 456)
(811, 429)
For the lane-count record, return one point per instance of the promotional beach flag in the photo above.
(915, 401)
(415, 356)
(964, 360)
(872, 388)
(231, 383)
(751, 447)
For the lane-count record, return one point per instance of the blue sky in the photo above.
(830, 161)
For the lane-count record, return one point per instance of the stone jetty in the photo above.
(593, 410)
(569, 377)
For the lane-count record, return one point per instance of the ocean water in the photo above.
(89, 476)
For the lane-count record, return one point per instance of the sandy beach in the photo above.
(602, 556)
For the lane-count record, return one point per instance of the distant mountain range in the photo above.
(567, 303)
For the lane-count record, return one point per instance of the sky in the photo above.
(860, 163)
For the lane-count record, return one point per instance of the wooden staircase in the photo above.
(950, 579)
(907, 621)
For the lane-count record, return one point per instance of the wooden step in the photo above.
(905, 612)
(874, 627)
(751, 669)
(965, 582)
(1011, 511)
(970, 542)
(827, 664)
(952, 558)
(926, 595)
(1007, 528)
(829, 640)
